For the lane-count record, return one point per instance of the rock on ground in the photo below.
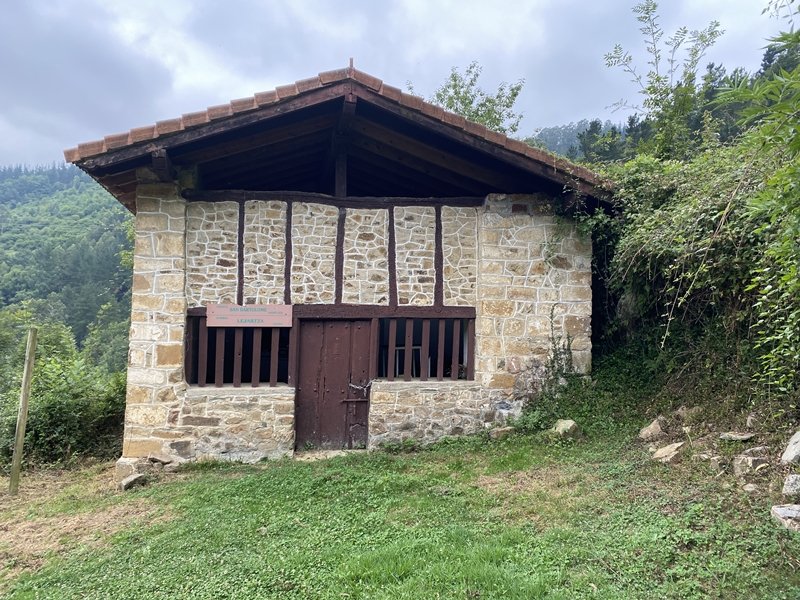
(747, 465)
(791, 485)
(132, 481)
(567, 429)
(655, 431)
(787, 515)
(669, 454)
(498, 433)
(792, 452)
(737, 436)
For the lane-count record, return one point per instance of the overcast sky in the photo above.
(76, 70)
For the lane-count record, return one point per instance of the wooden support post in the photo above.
(22, 416)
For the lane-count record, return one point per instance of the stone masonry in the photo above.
(366, 257)
(211, 252)
(158, 316)
(313, 253)
(264, 252)
(460, 253)
(525, 270)
(415, 242)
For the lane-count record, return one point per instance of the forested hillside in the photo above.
(63, 268)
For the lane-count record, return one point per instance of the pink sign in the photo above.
(251, 315)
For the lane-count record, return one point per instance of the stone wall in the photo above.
(313, 253)
(460, 253)
(158, 315)
(425, 410)
(212, 237)
(415, 243)
(264, 242)
(534, 285)
(365, 277)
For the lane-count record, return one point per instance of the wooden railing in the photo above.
(235, 355)
(427, 349)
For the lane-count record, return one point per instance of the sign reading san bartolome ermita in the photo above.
(262, 315)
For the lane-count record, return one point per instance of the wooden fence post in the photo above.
(22, 417)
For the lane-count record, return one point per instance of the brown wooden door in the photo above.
(332, 403)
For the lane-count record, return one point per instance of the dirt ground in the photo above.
(59, 510)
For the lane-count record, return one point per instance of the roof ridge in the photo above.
(323, 79)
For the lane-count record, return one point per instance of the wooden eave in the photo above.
(386, 141)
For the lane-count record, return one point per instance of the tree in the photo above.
(461, 94)
(669, 86)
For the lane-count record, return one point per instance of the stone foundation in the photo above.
(425, 410)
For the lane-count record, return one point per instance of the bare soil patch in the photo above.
(57, 511)
(541, 495)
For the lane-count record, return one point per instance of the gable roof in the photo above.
(285, 138)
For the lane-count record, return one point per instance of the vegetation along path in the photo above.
(474, 518)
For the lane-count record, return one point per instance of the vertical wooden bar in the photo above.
(392, 260)
(202, 353)
(22, 415)
(409, 349)
(456, 344)
(219, 359)
(240, 257)
(438, 261)
(256, 369)
(287, 266)
(374, 331)
(392, 349)
(238, 338)
(470, 349)
(338, 269)
(273, 356)
(190, 349)
(425, 350)
(440, 355)
(294, 349)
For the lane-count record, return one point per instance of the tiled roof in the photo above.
(162, 129)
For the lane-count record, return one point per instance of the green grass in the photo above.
(465, 519)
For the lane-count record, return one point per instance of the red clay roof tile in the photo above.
(161, 128)
(140, 134)
(169, 126)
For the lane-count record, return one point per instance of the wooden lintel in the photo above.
(368, 311)
(347, 201)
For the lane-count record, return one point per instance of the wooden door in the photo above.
(332, 402)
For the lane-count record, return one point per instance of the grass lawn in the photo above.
(466, 519)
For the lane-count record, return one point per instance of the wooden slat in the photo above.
(392, 348)
(190, 349)
(456, 342)
(238, 339)
(202, 353)
(219, 360)
(293, 351)
(440, 356)
(409, 349)
(255, 380)
(374, 331)
(273, 357)
(470, 349)
(424, 354)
